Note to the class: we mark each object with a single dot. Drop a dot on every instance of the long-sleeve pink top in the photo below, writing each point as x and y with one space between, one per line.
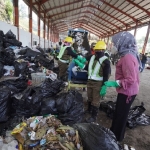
127 72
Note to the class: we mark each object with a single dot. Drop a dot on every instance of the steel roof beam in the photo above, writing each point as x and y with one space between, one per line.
134 19
138 6
96 16
87 20
91 6
92 27
82 21
51 9
41 2
78 25
89 30
108 14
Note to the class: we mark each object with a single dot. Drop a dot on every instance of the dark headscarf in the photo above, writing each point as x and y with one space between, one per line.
125 43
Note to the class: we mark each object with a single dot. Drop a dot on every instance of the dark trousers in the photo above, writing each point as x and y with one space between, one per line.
62 69
143 66
121 115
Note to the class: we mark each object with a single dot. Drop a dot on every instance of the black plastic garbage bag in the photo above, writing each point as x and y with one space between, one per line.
7 57
13 42
31 53
16 85
48 106
75 113
1 69
27 103
50 88
64 102
10 35
10 124
6 45
96 137
23 51
1 33
5 103
108 107
143 120
48 64
21 68
136 117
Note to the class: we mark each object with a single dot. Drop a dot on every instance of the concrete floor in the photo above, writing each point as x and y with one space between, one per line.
139 137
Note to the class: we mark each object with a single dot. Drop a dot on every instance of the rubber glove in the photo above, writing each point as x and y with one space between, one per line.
111 84
81 59
78 63
103 90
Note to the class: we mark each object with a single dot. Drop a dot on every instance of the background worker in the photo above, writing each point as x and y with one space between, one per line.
92 48
127 80
98 73
143 60
64 58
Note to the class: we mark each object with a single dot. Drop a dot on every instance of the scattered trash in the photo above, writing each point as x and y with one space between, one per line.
137 117
46 133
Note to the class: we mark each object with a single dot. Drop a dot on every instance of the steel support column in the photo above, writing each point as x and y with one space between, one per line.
30 20
44 29
107 40
146 39
48 32
135 30
39 29
16 16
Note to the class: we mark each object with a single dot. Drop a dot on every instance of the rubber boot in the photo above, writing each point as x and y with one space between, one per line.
93 117
89 110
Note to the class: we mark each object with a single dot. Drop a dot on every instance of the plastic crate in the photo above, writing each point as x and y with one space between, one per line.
38 78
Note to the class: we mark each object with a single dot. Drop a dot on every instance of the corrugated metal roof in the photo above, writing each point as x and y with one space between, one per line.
102 17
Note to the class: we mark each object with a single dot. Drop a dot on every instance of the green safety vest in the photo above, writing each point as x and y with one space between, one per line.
93 74
62 50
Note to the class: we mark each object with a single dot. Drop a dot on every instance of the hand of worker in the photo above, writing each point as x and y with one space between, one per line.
103 90
78 63
112 84
81 59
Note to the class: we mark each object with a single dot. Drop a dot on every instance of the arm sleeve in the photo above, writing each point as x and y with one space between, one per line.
71 53
129 73
106 70
88 59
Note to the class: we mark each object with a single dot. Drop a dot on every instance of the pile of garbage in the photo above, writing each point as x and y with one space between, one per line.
136 114
45 133
29 85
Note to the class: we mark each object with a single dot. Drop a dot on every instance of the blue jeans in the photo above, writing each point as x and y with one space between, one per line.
71 65
143 66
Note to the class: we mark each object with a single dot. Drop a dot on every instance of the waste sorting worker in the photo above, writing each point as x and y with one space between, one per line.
64 57
126 80
98 73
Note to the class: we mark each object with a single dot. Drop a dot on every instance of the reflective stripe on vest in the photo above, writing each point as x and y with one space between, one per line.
62 50
94 73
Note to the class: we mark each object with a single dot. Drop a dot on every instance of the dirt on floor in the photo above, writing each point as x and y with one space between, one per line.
138 137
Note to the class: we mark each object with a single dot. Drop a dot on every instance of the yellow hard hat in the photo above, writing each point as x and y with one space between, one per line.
100 45
68 39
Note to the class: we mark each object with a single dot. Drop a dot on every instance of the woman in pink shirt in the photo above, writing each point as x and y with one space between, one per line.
127 80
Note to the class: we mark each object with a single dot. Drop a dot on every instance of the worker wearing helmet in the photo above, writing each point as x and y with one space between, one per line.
98 73
64 57
92 48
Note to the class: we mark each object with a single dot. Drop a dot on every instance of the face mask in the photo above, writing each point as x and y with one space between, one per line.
67 44
99 54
